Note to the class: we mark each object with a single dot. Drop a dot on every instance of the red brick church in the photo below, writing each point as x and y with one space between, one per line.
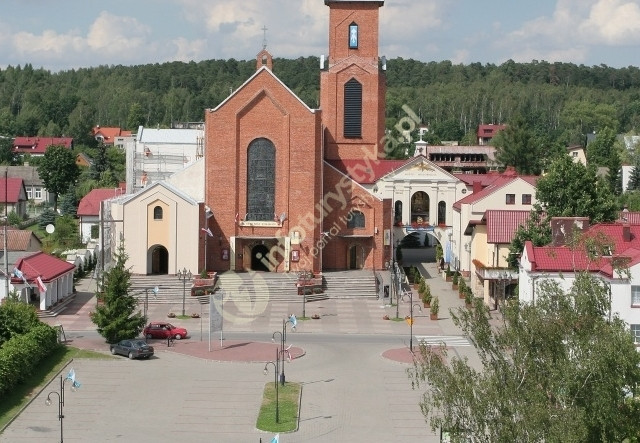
276 202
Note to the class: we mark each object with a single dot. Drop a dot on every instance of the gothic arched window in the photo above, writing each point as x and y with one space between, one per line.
261 180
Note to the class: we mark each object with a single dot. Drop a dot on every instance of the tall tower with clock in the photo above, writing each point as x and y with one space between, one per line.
353 85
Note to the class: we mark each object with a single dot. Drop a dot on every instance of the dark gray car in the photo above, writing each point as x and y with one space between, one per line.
132 348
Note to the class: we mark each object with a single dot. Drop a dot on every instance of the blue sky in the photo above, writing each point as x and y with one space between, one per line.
65 34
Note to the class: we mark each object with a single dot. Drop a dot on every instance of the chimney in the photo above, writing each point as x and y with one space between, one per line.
477 186
626 232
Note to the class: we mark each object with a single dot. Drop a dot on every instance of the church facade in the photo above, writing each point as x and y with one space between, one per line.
277 202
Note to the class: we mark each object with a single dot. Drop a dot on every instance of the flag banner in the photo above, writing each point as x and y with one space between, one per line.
41 286
72 376
208 231
19 274
293 320
276 439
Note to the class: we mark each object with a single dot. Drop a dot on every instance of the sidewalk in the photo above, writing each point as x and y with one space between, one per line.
338 316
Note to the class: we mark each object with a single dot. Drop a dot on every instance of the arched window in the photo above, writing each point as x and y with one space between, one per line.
353 108
157 213
442 213
261 180
355 219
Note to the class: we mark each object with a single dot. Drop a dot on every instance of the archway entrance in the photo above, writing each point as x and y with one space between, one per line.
159 260
356 257
259 258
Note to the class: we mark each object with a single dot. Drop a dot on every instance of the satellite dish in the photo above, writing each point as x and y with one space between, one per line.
50 228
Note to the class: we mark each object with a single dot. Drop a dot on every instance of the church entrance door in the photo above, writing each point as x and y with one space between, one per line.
159 260
259 258
355 257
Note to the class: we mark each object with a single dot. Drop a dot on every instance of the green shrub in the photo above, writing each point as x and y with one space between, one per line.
20 355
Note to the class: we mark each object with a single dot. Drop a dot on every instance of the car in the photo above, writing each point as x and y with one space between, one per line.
134 348
161 329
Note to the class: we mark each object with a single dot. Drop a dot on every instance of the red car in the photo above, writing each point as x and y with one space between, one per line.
161 329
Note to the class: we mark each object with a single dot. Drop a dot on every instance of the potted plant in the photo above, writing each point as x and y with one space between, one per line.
461 286
434 309
425 294
454 280
448 274
468 297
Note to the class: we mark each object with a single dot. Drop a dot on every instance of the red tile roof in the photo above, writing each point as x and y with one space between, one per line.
40 264
565 259
19 239
90 203
503 224
109 134
13 187
493 182
489 131
367 171
38 145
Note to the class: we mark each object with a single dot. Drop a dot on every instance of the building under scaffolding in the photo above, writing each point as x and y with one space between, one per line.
155 154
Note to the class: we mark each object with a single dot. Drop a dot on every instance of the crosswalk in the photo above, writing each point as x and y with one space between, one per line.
450 341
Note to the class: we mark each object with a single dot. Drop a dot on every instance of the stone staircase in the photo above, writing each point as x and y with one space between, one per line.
350 284
170 288
277 287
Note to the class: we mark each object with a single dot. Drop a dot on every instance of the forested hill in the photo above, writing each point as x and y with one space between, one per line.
560 100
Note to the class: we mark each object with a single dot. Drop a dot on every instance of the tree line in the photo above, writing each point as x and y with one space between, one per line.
562 101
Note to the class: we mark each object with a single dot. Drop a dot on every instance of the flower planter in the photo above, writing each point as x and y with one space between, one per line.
454 287
426 305
461 294
433 316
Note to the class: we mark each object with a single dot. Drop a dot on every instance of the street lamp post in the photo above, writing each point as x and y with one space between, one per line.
275 380
283 342
411 318
60 395
184 276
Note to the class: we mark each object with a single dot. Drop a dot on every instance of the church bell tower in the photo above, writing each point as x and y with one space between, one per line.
353 85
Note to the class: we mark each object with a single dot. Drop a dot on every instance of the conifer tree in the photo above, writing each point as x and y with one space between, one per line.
117 318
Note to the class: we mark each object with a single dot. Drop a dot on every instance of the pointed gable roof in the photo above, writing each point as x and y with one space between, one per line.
44 265
490 184
11 189
90 203
19 239
261 71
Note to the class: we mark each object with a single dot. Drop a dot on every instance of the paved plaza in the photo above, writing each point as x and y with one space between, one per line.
197 390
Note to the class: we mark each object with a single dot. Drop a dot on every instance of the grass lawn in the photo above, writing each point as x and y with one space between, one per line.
288 402
14 401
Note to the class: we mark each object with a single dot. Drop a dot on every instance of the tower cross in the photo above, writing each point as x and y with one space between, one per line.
264 38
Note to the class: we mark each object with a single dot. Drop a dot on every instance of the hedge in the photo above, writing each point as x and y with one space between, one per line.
20 355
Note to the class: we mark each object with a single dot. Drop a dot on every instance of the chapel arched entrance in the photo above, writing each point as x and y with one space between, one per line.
355 259
159 260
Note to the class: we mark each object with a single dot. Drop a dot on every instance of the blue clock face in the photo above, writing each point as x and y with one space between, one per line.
353 36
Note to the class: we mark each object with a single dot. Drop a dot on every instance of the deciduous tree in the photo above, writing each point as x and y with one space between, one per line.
58 171
558 370
570 189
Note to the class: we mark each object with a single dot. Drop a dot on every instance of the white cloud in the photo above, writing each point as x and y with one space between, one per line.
112 34
613 22
574 28
188 50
